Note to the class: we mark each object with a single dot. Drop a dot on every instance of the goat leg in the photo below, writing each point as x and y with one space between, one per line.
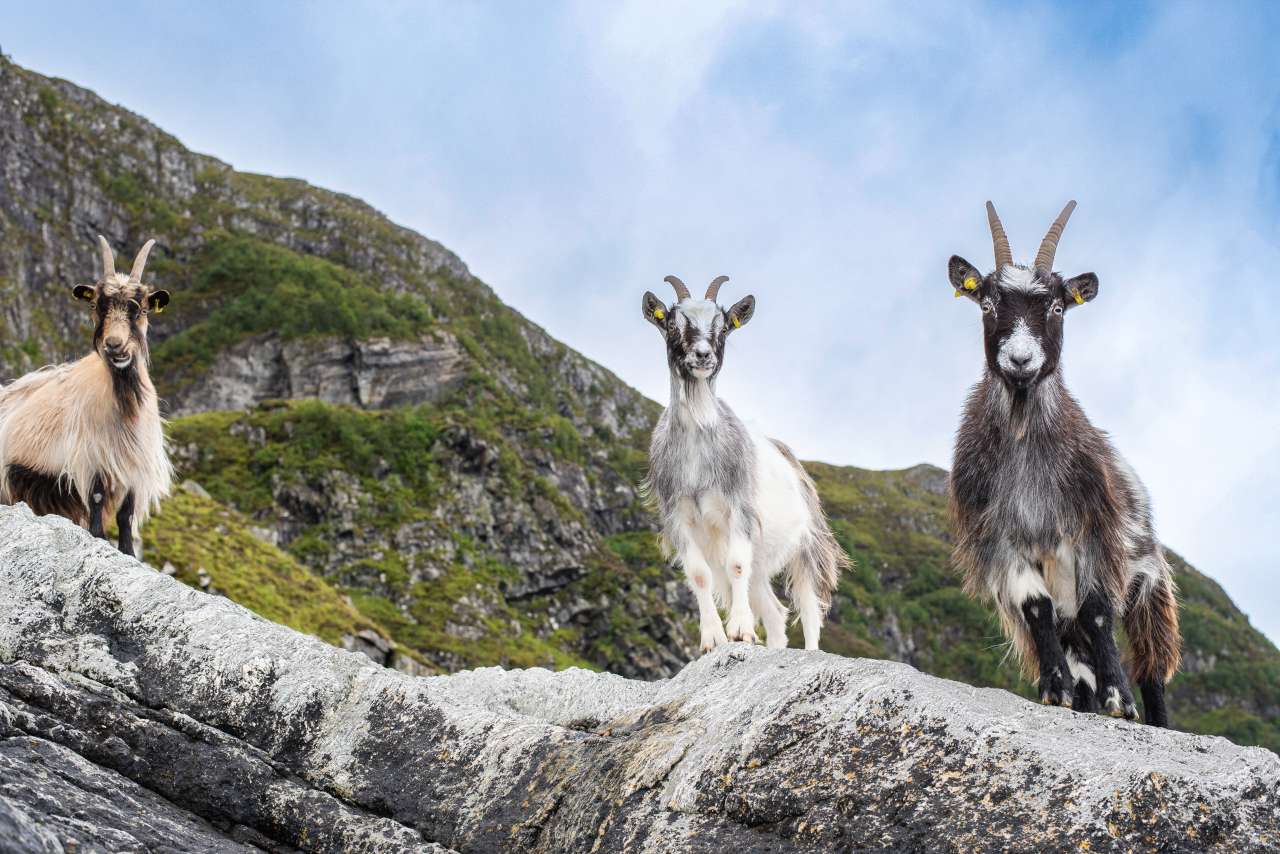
124 521
97 497
1055 675
741 625
1080 661
1095 620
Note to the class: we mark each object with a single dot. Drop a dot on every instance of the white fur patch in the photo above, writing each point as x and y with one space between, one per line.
704 314
1081 672
1021 345
1021 584
1017 278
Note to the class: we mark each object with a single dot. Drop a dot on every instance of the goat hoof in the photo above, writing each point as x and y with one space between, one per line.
1055 689
713 638
1118 703
742 629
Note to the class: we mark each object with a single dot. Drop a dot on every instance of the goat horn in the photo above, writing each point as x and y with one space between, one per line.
1004 255
681 291
141 261
714 288
1049 246
108 257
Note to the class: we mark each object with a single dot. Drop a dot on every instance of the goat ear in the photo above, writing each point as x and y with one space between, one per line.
157 300
741 312
965 278
1080 290
85 293
655 310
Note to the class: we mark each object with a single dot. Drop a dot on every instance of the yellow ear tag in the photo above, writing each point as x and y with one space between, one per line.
737 324
959 293
1079 299
659 313
970 283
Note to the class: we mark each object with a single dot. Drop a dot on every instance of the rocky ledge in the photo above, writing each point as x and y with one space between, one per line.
137 714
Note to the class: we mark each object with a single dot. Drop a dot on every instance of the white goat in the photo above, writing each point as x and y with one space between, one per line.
736 507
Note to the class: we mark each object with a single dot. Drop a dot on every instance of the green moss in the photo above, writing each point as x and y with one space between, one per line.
1238 725
195 533
245 286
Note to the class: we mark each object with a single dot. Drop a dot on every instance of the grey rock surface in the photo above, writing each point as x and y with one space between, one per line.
139 714
374 374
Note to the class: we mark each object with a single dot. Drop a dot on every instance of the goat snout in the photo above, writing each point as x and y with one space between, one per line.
116 350
702 350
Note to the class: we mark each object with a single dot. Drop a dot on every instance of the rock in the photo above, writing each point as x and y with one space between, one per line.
182 721
194 488
369 644
375 374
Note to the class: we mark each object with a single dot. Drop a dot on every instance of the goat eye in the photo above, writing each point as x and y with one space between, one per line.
986 308
1057 309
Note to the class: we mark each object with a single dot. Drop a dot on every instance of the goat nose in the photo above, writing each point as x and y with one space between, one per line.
702 348
114 343
1020 360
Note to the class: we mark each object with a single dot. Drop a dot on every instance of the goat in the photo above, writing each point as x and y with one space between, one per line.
85 438
736 508
1050 522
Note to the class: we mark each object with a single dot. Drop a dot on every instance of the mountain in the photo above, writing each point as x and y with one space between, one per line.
376 450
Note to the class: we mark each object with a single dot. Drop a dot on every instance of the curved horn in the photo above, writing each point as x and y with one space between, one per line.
681 291
1004 255
140 262
714 288
1049 246
108 257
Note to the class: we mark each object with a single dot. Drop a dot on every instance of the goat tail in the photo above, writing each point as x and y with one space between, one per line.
1151 623
816 568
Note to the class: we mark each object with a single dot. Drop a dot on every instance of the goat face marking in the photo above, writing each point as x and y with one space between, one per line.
120 306
1022 317
695 331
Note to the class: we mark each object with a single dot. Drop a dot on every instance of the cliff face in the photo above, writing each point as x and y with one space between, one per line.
138 714
381 453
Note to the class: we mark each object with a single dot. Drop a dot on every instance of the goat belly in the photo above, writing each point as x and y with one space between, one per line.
45 494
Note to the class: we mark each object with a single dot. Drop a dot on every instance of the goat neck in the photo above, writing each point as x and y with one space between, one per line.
693 402
1021 412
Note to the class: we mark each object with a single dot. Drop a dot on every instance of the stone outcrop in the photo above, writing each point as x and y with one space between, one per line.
375 374
138 714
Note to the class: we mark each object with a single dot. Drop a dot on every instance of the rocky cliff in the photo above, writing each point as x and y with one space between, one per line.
378 452
138 714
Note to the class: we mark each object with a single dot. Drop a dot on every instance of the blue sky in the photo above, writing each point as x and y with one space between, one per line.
829 158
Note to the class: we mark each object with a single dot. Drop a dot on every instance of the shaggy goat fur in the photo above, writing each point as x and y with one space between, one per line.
1050 522
85 439
737 508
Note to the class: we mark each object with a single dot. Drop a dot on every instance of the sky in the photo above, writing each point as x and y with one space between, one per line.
829 158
